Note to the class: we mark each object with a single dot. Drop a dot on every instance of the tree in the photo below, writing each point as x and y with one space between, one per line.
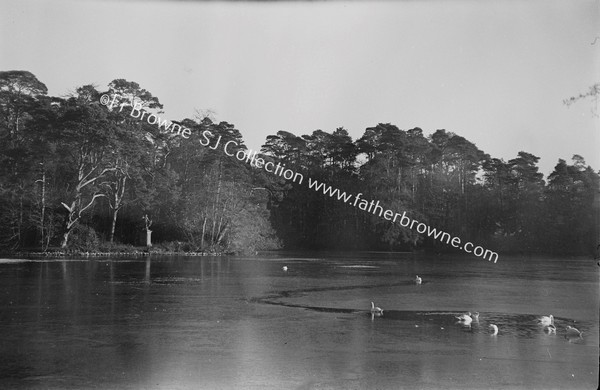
21 94
132 146
526 197
572 192
19 90
87 140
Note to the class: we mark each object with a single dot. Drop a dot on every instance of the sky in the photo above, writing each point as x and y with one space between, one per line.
495 72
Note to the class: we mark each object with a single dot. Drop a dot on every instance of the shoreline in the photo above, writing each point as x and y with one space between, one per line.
59 254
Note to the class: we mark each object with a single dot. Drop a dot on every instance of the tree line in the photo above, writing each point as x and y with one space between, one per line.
76 175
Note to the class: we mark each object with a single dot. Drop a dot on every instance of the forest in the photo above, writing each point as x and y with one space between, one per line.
76 176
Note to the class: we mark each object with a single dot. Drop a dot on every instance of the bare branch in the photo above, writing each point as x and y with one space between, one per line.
91 202
80 186
594 93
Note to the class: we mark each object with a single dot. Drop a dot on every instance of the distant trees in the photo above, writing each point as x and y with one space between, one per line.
443 180
572 207
22 97
515 202
76 174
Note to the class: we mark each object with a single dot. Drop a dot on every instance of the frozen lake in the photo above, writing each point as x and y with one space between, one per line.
244 323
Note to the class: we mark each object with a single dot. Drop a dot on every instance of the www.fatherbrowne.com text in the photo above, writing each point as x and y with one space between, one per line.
251 157
231 148
376 209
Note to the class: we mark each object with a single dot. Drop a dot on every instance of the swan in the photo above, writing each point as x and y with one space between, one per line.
465 319
573 332
285 268
495 328
475 316
418 280
546 320
375 309
551 328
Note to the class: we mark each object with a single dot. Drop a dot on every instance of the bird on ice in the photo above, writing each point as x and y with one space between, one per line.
284 268
546 320
573 332
465 319
375 309
418 280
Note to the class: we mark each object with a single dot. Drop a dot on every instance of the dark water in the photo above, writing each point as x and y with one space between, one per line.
220 323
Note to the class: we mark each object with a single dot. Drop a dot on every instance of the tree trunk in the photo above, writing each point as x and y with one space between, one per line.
119 193
219 232
113 225
20 229
216 202
203 233
40 222
43 216
65 240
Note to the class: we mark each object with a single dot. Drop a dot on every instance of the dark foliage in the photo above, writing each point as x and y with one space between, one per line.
76 174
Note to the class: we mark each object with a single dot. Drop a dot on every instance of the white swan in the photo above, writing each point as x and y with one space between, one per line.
375 309
546 320
573 332
465 319
495 328
418 280
285 268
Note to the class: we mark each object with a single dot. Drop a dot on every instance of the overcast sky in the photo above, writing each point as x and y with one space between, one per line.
495 72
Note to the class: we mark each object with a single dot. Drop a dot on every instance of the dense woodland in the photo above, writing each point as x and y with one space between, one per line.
78 176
